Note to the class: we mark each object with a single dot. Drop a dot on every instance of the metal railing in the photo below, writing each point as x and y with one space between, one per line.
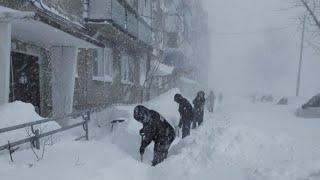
35 139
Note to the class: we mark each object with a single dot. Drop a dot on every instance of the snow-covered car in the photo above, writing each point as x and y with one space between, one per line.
283 101
311 109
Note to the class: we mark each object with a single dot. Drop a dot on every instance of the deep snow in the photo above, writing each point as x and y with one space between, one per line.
16 113
241 140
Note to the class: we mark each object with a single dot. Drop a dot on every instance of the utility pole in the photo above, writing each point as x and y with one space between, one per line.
301 55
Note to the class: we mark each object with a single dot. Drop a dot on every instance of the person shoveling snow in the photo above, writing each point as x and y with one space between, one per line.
156 129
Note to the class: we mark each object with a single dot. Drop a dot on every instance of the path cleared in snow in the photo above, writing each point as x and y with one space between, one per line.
241 140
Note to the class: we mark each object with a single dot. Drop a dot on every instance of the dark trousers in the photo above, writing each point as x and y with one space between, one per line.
211 106
198 118
161 150
194 123
186 128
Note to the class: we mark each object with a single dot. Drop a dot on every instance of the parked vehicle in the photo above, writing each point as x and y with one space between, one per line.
311 109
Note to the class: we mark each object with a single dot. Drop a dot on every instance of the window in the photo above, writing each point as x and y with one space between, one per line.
127 70
102 65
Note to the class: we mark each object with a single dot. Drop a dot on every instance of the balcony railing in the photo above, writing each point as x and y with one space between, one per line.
123 15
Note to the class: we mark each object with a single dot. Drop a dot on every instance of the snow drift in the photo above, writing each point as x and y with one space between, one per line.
242 140
16 113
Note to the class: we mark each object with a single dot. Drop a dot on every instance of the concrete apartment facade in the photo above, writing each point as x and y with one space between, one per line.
59 56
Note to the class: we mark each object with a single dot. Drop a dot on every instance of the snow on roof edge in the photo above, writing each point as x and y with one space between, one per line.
8 13
189 81
162 69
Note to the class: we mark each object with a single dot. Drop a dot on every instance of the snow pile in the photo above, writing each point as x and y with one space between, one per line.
161 69
166 106
7 13
41 5
188 81
16 113
241 140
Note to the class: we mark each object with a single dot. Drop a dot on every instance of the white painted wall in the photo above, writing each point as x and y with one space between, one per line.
64 60
5 45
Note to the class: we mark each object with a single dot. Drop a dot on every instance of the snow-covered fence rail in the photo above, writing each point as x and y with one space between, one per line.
35 139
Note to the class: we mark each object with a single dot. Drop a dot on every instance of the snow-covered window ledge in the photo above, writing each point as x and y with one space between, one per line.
103 78
127 82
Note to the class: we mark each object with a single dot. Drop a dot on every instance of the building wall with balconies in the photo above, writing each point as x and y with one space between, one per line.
120 35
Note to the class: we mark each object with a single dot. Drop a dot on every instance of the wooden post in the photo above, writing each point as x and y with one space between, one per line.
86 125
37 139
10 151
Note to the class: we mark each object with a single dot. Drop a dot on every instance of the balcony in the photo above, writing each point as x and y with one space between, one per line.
124 15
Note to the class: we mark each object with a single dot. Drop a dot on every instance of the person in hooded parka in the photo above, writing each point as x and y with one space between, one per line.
186 114
157 129
198 105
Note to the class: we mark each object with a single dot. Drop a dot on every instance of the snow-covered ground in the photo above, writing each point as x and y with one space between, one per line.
16 113
241 140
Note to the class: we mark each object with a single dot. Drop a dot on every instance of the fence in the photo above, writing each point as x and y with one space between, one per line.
35 139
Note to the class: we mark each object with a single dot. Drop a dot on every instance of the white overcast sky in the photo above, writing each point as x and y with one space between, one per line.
255 47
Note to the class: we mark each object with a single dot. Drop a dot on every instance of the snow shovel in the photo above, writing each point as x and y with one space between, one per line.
177 131
141 155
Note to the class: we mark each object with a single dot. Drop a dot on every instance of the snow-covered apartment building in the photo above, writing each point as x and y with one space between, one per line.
181 41
67 55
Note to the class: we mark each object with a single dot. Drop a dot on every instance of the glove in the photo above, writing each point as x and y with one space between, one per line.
142 133
142 150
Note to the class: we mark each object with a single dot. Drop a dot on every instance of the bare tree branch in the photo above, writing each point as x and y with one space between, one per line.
311 12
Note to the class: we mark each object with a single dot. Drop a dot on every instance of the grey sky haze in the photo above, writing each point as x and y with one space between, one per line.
255 47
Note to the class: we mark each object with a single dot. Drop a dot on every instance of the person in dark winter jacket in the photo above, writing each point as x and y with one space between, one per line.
198 104
156 129
186 114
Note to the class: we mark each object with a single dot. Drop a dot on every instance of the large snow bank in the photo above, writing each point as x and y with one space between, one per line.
241 140
16 113
166 106
188 81
106 156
